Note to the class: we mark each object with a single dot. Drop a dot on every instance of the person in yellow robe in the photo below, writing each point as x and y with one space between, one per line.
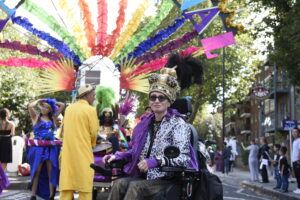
80 131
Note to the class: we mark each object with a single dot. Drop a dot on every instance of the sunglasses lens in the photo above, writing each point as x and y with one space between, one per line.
160 98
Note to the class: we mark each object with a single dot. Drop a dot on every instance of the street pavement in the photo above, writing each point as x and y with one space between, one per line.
244 188
236 186
233 190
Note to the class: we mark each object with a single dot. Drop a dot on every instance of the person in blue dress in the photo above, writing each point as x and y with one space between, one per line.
43 154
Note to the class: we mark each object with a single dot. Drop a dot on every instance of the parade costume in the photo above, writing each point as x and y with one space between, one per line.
40 152
4 182
107 140
151 137
80 131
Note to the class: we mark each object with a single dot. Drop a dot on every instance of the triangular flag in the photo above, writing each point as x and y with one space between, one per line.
207 15
217 42
3 23
189 3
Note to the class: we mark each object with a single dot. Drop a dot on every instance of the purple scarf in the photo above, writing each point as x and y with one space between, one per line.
139 137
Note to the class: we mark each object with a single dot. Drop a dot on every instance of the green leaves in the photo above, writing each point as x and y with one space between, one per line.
17 90
287 42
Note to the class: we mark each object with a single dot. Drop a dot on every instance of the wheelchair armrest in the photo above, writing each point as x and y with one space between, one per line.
116 164
172 169
190 170
114 168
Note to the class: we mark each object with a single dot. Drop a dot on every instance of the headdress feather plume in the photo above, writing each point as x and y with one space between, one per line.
60 76
189 70
130 81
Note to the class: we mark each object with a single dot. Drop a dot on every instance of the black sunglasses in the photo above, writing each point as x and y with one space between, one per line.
160 98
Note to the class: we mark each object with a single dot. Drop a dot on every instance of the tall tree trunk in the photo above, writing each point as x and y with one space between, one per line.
196 106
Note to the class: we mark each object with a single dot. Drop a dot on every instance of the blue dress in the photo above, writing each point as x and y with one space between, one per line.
38 154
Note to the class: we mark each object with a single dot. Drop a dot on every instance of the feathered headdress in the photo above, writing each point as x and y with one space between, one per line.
188 69
61 76
180 72
129 80
127 105
52 104
106 98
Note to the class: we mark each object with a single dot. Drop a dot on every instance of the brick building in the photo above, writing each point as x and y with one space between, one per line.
255 118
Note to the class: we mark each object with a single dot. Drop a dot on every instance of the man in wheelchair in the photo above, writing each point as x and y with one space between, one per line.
153 134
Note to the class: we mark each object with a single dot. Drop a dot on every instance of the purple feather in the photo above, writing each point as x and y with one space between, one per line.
127 105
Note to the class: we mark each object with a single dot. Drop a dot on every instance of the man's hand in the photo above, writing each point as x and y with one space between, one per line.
108 158
143 166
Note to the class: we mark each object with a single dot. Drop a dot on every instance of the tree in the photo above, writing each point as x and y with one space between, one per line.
288 44
17 85
284 27
209 124
17 90
240 63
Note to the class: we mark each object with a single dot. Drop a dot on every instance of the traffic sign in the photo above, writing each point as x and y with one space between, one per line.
289 124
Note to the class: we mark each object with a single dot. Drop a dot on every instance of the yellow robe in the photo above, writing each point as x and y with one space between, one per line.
80 131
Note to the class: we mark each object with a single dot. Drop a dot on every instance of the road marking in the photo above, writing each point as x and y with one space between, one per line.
233 198
240 190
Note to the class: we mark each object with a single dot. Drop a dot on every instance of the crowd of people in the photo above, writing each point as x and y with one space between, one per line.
260 160
60 152
224 158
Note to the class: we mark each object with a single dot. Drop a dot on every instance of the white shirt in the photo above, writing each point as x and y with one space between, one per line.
296 148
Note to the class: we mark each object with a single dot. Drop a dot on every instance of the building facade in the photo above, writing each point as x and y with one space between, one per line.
263 117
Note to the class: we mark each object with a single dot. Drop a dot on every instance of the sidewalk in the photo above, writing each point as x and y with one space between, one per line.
18 182
242 178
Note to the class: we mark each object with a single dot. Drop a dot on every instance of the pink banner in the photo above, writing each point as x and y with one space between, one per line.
217 42
27 62
160 63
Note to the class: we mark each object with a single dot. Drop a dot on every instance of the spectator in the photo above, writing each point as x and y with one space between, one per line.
7 130
226 153
232 143
275 162
147 112
252 159
284 170
80 133
264 157
218 160
296 158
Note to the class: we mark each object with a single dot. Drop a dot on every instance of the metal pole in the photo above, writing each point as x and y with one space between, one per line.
223 96
291 145
275 99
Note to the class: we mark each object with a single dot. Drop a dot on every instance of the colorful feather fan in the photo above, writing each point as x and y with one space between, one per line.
130 81
60 76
